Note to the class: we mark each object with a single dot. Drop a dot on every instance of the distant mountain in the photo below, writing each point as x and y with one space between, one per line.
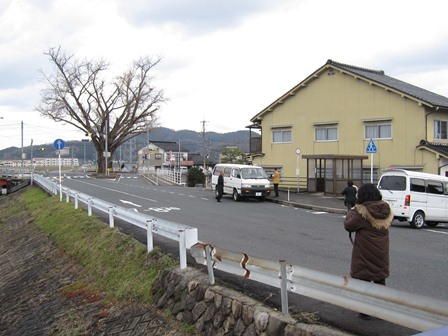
209 143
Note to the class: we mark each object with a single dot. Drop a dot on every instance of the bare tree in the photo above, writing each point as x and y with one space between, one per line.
111 113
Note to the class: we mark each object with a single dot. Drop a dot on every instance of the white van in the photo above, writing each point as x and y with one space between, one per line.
242 181
419 198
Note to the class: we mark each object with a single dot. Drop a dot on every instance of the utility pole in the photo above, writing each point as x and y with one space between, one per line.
203 122
106 153
32 166
147 147
204 152
22 147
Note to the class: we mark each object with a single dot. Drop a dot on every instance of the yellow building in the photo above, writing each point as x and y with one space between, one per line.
319 132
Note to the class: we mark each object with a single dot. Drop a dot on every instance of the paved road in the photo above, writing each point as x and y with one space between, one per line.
309 235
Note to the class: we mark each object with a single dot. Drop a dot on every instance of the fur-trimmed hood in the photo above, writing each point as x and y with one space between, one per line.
378 213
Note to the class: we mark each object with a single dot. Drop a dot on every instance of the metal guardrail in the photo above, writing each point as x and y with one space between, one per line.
19 186
291 183
186 235
407 309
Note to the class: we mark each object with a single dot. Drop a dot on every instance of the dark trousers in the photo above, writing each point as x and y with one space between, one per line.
219 189
276 189
349 206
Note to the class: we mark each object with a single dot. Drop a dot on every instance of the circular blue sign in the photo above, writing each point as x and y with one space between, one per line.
59 144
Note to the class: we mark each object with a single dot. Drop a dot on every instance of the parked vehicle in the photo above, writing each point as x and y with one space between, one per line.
419 198
242 181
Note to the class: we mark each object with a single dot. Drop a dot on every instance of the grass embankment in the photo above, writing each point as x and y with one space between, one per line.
113 264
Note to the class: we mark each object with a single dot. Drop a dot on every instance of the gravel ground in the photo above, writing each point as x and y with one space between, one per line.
34 299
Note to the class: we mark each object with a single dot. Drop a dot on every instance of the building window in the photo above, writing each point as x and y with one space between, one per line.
440 130
326 134
378 131
281 136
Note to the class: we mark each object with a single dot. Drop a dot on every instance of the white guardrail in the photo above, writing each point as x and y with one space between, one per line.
186 235
407 309
403 308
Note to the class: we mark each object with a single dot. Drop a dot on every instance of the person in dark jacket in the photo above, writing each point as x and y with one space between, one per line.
350 192
220 186
370 219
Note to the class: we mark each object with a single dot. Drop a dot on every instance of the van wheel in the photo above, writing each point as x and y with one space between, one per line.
216 192
236 197
418 220
432 224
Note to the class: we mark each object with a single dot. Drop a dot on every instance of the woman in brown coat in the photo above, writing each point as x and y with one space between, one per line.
370 218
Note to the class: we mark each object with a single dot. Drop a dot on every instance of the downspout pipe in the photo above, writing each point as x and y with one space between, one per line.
426 122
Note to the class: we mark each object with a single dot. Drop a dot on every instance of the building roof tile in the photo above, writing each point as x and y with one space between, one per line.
380 77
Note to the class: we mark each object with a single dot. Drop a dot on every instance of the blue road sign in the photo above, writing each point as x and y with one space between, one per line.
371 148
59 144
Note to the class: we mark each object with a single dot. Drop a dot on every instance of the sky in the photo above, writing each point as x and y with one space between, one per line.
222 61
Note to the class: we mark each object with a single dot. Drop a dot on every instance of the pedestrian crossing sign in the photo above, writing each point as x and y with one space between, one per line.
371 147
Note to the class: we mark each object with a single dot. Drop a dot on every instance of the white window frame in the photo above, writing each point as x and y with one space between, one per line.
377 135
437 130
282 132
327 139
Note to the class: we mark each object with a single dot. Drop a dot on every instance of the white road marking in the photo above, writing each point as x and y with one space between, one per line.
436 231
127 202
162 209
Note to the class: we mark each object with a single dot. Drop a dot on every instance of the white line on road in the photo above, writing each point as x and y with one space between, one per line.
435 231
127 202
119 191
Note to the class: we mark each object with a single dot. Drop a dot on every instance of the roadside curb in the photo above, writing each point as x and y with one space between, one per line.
307 206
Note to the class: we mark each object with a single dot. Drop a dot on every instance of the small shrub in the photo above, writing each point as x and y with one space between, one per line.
195 176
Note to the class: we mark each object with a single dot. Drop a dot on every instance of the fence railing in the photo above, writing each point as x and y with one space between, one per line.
184 234
407 309
172 176
291 183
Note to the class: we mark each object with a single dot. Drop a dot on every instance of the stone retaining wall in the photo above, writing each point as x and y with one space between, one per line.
216 310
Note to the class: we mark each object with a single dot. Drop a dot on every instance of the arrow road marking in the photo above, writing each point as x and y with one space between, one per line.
127 202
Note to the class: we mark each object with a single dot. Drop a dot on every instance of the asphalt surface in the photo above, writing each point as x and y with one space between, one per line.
313 201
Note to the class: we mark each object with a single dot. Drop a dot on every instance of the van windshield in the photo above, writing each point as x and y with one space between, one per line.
253 173
393 183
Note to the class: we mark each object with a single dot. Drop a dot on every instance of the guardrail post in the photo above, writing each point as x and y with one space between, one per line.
149 241
182 249
67 196
284 290
60 192
111 217
208 255
76 201
89 207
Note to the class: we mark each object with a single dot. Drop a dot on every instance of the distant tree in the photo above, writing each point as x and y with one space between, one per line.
195 176
233 155
109 112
